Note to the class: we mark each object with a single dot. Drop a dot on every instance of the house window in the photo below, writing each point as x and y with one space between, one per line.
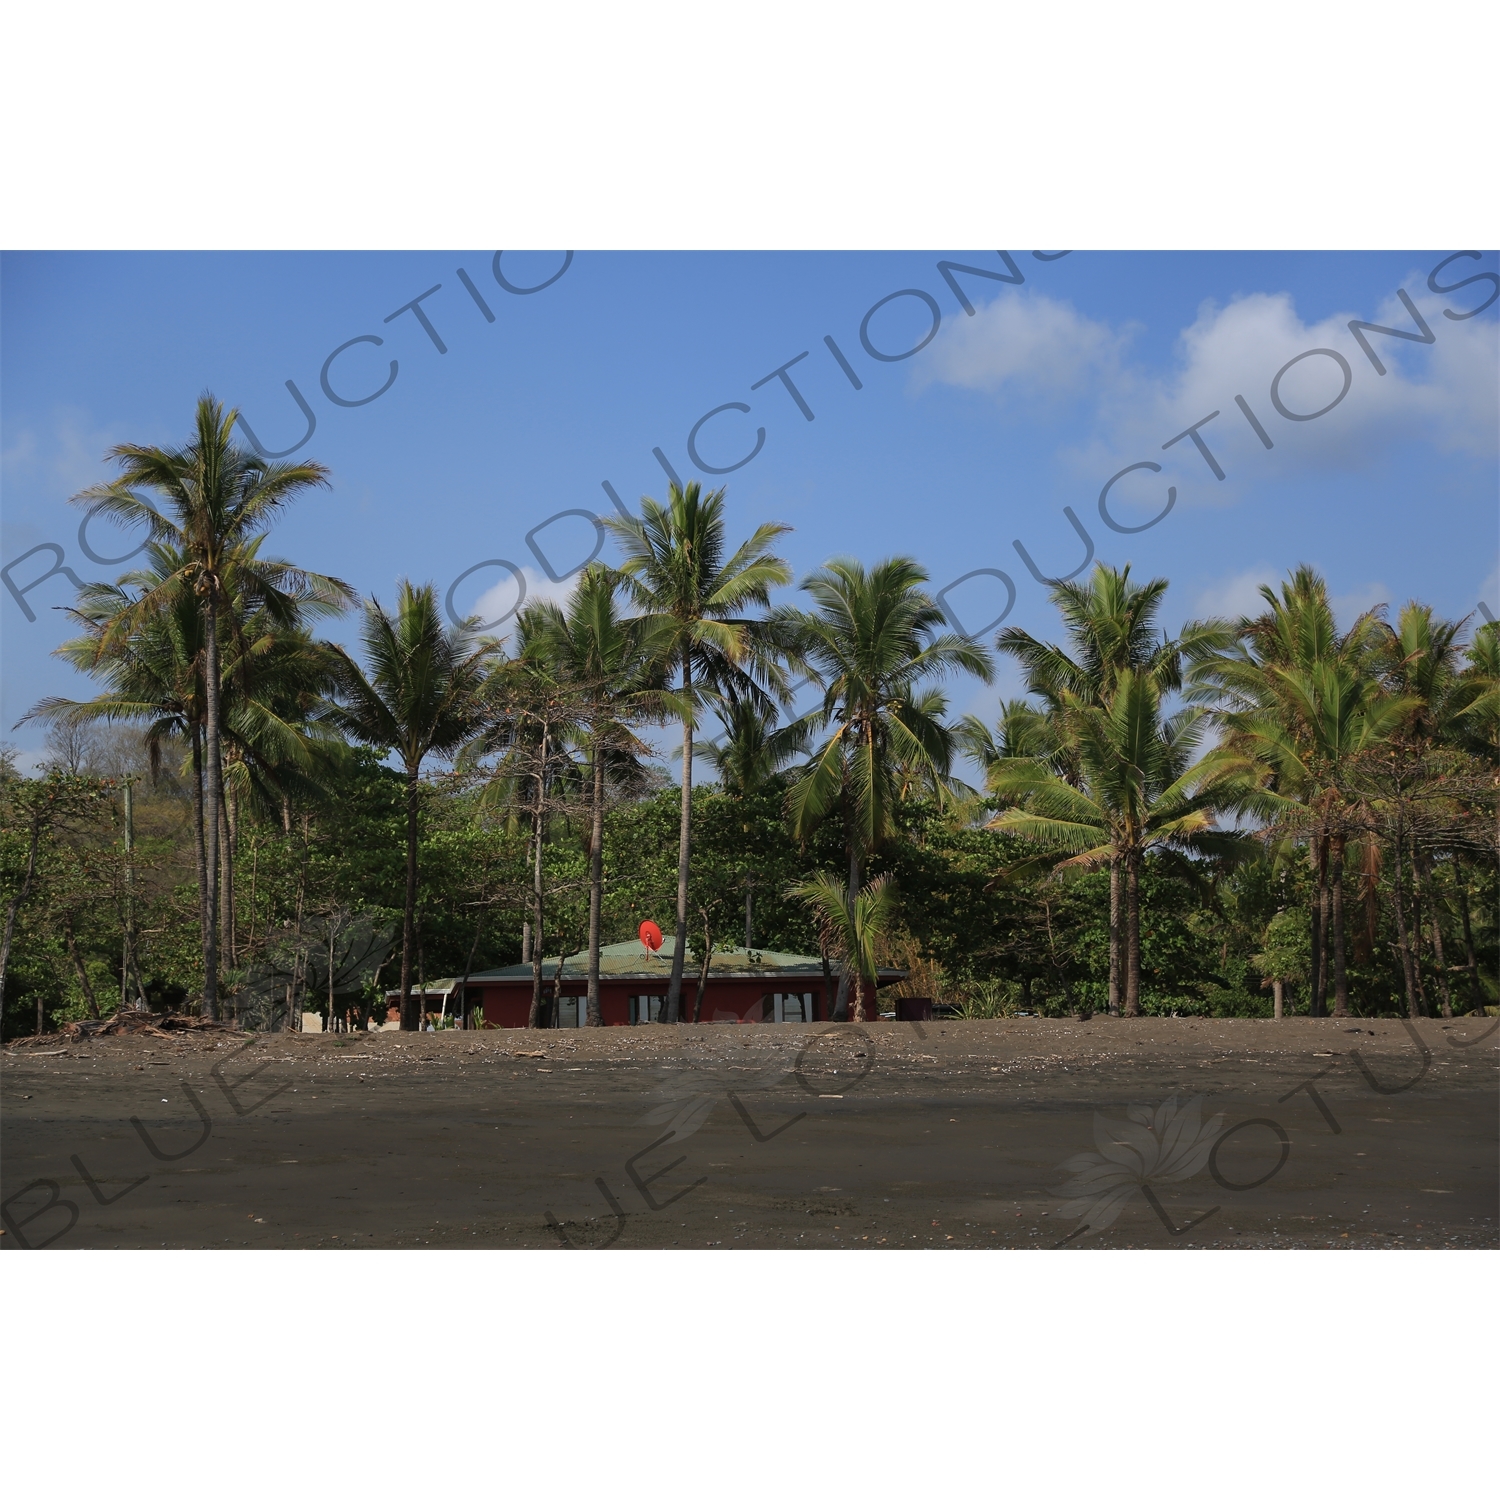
792 1007
572 1010
644 1008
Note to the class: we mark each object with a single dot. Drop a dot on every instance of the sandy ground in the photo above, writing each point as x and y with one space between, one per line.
1022 1134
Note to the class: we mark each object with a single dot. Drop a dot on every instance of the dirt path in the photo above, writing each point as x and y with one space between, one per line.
1006 1134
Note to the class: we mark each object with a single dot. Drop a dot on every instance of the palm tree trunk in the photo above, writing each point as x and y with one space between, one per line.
749 917
213 785
409 1019
673 1008
1132 934
232 849
1476 990
226 887
200 841
1278 992
858 1011
1319 1006
534 1016
1403 942
596 888
1114 935
1336 883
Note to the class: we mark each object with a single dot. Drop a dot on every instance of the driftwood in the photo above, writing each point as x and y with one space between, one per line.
124 1023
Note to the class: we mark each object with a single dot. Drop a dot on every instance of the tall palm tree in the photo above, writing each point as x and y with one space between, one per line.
697 601
1298 697
211 498
1138 788
748 759
610 664
873 642
273 679
1421 660
1112 627
423 695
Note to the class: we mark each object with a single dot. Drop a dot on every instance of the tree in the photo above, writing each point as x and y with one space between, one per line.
608 662
213 498
1139 788
273 681
1283 955
533 721
1297 697
1112 627
749 758
35 811
695 602
872 642
850 928
423 695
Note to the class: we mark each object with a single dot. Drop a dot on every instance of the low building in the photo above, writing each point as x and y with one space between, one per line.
744 985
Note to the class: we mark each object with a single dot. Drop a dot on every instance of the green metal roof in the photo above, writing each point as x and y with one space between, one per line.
630 961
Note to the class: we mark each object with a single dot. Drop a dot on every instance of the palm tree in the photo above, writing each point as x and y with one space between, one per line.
849 929
272 682
696 602
609 663
872 642
1112 627
1138 788
424 695
533 722
1298 698
748 759
212 498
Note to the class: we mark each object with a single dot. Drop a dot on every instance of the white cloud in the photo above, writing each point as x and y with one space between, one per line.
1025 346
501 597
1237 595
1445 393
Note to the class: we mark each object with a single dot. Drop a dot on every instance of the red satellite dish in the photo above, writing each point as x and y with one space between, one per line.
650 936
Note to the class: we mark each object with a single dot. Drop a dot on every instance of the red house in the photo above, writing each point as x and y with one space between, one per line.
744 985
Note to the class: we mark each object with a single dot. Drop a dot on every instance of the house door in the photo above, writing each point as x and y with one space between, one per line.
573 1010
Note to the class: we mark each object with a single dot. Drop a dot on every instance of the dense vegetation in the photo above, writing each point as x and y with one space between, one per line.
247 821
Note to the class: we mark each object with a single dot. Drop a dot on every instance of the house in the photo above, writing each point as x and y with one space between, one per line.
744 985
437 998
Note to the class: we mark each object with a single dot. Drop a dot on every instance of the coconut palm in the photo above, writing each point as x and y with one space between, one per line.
211 499
1139 788
1298 697
610 665
1112 626
850 930
697 602
272 683
423 695
872 643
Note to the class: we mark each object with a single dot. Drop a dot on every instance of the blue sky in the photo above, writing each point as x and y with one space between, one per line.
981 438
